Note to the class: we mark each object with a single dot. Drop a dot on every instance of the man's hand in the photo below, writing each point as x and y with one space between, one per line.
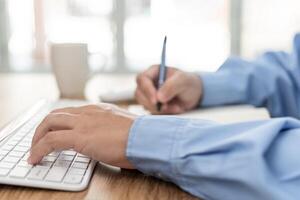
100 132
181 91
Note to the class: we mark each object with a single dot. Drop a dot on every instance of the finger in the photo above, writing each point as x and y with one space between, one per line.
152 72
54 121
52 141
146 85
171 88
146 82
76 110
144 101
72 110
141 99
172 108
90 109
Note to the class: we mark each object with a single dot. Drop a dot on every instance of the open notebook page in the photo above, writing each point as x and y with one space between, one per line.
224 114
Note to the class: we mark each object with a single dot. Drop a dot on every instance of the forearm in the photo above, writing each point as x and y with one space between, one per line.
271 81
250 160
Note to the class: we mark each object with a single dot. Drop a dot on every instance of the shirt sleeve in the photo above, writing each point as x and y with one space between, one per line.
271 81
253 160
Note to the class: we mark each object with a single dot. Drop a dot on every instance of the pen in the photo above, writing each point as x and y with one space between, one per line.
162 71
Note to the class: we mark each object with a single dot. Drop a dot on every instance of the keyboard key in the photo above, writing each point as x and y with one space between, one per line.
82 159
25 157
4 171
24 163
11 159
76 171
19 172
3 152
12 142
24 144
69 152
56 174
65 157
73 179
81 155
21 133
80 165
20 148
27 140
55 154
62 163
44 163
17 137
7 165
7 147
18 154
49 159
15 140
38 172
30 136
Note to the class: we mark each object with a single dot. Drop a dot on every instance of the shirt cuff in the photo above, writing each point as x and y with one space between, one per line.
150 145
224 86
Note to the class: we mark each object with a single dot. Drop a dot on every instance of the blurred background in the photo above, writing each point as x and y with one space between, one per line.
126 35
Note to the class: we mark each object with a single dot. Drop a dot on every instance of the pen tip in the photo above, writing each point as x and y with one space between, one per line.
165 40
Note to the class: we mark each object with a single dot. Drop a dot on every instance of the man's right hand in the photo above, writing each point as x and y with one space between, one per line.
182 91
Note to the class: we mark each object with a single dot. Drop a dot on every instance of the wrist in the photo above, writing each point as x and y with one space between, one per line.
197 89
125 162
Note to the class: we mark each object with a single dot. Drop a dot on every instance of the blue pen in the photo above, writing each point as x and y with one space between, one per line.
162 71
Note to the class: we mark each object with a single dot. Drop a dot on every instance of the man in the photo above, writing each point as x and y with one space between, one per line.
253 160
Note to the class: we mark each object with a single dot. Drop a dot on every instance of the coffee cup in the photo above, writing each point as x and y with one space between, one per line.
70 66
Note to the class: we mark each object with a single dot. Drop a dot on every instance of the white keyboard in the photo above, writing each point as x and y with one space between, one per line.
66 170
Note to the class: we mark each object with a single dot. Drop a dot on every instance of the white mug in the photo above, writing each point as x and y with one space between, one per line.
70 65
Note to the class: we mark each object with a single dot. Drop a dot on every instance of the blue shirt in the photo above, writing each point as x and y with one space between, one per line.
252 160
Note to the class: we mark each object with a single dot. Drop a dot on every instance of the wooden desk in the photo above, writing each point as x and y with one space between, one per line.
19 91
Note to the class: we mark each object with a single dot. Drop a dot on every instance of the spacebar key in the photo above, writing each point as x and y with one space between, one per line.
56 174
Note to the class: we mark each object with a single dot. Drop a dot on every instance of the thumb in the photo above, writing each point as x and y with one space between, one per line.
170 89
